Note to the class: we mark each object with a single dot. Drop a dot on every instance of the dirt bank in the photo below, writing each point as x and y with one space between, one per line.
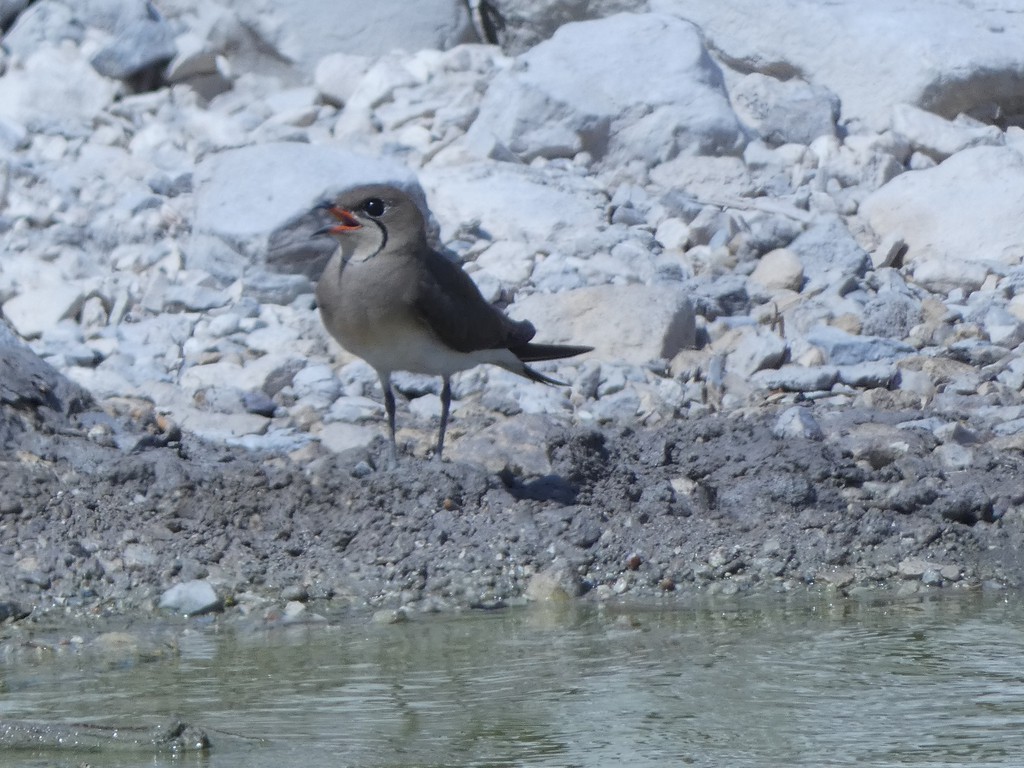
102 512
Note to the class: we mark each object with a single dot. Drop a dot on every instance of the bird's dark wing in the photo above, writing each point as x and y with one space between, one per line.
448 301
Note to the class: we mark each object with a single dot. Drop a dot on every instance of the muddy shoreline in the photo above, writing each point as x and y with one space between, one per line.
720 504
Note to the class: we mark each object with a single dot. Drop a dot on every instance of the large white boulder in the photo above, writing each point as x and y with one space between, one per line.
260 198
944 57
268 35
55 90
624 323
964 212
631 86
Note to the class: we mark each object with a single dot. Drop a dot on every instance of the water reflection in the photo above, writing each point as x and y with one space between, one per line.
927 683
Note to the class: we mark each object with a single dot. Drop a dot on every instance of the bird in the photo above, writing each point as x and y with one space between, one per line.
389 298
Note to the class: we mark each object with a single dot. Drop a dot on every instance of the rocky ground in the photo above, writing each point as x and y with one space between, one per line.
801 275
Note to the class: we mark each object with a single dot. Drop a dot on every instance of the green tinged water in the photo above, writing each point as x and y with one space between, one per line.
926 683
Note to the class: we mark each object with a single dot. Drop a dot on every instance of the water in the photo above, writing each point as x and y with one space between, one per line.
923 683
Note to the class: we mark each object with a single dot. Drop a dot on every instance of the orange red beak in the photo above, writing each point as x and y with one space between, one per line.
347 222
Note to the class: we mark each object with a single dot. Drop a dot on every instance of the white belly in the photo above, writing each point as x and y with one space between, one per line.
414 349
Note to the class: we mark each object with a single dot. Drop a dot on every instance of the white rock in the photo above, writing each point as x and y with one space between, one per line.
43 25
1003 328
937 137
269 372
778 270
673 234
955 457
318 382
192 59
514 203
220 374
509 263
290 178
757 348
916 382
339 436
304 31
338 75
353 409
34 311
943 275
965 211
375 87
191 598
705 178
55 89
949 58
629 323
591 88
218 427
797 422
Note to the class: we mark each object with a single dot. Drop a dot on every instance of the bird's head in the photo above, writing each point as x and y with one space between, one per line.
369 218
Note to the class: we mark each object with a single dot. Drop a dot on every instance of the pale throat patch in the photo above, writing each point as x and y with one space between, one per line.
364 244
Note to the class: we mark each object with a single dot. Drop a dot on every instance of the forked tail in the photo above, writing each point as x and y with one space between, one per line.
530 353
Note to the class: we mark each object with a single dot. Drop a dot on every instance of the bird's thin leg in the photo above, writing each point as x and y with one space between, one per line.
446 404
389 406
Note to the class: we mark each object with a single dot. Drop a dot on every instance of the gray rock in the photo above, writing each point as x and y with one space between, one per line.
797 378
259 403
842 348
138 47
9 10
891 315
274 288
191 598
725 296
867 375
114 16
295 593
28 383
829 255
785 111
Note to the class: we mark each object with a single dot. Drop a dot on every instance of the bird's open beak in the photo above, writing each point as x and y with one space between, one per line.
347 222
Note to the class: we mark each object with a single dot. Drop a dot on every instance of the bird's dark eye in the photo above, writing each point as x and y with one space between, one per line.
374 207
